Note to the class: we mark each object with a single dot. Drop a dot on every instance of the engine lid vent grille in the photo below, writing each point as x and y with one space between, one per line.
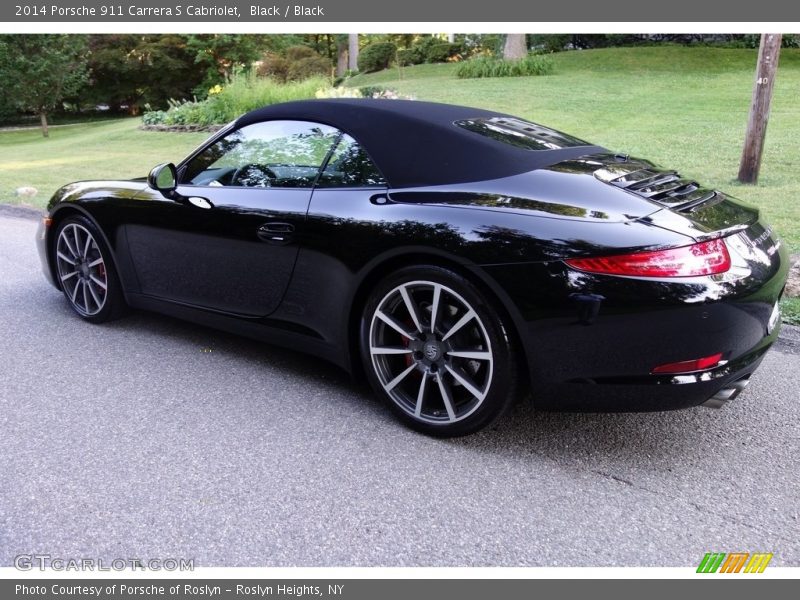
662 186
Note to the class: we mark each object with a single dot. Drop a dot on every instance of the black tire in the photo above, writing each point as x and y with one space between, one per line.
83 265
423 373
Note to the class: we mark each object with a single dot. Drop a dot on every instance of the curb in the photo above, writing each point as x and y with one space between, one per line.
21 211
788 339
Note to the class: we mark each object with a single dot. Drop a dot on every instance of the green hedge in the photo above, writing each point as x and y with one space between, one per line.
410 56
438 53
484 66
428 50
376 57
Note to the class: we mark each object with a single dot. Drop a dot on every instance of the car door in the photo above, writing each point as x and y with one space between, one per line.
227 240
347 223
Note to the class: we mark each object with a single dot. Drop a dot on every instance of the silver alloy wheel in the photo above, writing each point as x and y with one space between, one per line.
431 352
81 269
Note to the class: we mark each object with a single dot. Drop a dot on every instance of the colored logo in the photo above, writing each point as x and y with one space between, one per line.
734 562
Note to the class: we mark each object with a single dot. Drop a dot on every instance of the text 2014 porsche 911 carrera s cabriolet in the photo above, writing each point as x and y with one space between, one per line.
456 257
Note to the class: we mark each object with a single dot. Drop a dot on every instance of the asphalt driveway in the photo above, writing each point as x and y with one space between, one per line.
149 437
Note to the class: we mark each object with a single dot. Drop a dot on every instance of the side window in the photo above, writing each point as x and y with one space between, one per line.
349 166
268 154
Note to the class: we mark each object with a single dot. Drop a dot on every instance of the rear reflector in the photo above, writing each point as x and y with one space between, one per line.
688 366
703 258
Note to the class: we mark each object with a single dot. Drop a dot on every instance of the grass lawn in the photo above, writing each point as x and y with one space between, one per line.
101 150
685 108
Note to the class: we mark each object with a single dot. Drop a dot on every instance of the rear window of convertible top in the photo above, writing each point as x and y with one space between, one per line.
521 134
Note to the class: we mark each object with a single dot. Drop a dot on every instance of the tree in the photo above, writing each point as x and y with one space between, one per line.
352 51
515 46
219 55
129 71
341 55
767 67
41 71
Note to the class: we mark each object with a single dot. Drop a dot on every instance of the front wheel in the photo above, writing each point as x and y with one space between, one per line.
437 352
86 272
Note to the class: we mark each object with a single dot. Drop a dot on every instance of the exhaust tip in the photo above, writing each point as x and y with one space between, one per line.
726 394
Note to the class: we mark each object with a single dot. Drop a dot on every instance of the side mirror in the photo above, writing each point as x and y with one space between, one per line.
163 178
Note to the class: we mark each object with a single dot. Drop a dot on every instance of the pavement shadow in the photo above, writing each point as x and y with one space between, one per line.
523 431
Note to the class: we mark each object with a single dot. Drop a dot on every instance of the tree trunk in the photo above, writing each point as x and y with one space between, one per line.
516 46
43 118
352 51
329 45
767 67
341 56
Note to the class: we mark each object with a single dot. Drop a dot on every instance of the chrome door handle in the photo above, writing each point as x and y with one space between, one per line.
276 233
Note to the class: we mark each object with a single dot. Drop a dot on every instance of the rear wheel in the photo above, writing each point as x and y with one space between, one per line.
437 352
85 271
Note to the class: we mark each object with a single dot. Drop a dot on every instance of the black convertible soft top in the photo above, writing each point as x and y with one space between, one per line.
418 144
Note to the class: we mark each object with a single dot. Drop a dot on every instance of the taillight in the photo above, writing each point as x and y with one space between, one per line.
687 366
703 258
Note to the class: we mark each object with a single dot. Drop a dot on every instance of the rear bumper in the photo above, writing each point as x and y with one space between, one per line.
592 341
712 388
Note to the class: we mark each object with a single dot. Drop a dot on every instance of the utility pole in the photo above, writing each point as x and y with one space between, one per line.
768 52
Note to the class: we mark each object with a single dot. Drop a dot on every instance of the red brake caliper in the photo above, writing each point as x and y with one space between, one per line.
406 342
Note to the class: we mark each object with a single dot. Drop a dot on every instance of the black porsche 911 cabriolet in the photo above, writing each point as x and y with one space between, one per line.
454 256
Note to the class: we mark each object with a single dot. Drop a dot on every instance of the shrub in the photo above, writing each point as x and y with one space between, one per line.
488 44
429 50
183 112
550 42
340 92
304 63
369 91
422 45
376 91
791 40
410 56
299 52
312 66
242 94
154 117
434 50
376 57
438 53
274 66
484 66
300 62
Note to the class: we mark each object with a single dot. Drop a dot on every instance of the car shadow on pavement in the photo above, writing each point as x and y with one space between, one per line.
523 431
206 339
